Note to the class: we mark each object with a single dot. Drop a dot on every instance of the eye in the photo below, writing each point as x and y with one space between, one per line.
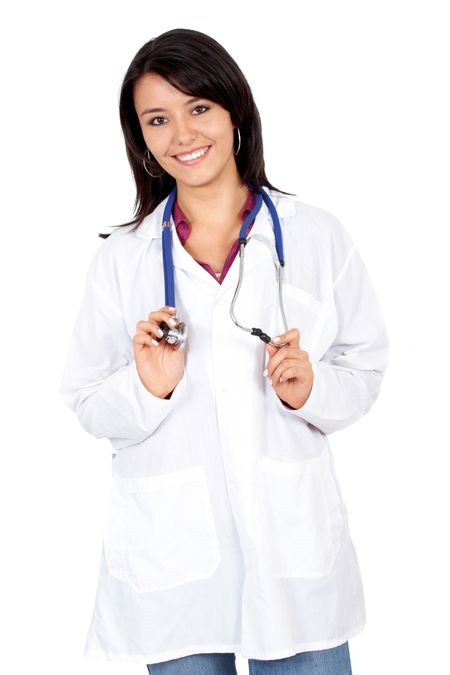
202 106
152 121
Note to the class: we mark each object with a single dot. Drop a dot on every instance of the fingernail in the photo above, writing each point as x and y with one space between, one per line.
265 372
276 339
155 343
171 309
160 333
172 322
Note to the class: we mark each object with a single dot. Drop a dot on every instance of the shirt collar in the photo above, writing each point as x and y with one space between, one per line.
151 226
184 227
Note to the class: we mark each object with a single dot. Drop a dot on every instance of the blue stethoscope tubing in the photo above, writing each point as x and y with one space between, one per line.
169 284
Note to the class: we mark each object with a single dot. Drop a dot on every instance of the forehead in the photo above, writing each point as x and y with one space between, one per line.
152 88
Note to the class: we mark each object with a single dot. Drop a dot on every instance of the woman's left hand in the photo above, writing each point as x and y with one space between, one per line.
290 369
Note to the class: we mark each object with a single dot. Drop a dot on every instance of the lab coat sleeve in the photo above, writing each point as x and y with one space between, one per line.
347 378
100 381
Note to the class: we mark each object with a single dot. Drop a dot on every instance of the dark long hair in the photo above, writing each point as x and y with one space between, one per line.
197 65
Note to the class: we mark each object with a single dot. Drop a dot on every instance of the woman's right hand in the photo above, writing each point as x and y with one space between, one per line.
160 366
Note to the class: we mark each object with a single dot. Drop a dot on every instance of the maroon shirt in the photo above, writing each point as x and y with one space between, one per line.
184 230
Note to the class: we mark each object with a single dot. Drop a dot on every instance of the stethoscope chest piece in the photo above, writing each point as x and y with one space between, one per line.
176 336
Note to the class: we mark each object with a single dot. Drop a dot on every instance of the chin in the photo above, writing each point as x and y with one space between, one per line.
197 181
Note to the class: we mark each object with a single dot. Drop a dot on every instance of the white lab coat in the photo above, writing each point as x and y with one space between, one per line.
226 528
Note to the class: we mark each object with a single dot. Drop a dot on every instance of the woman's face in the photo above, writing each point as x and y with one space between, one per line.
181 126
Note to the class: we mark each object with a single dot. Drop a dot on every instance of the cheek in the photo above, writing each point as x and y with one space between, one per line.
158 143
222 137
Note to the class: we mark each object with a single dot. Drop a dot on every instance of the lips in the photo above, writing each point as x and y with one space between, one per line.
189 152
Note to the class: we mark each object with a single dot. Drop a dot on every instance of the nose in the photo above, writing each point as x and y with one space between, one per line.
183 133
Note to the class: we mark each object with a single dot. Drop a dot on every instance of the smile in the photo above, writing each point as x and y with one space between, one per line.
194 156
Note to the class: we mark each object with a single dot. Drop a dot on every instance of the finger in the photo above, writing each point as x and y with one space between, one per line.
163 314
156 318
284 371
299 368
141 339
149 327
291 337
278 355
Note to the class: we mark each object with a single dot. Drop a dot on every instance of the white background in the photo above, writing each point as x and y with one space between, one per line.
353 98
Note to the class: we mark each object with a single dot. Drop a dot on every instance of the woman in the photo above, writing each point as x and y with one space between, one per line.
226 530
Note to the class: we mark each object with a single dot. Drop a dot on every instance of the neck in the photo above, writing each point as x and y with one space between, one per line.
214 208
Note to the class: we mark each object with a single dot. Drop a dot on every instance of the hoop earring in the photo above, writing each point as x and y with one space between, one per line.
148 155
239 145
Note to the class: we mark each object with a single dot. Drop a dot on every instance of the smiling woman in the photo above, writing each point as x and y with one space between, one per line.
187 133
226 529
182 94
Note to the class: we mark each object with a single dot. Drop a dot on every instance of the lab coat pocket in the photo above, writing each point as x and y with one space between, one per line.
301 516
305 312
303 298
160 530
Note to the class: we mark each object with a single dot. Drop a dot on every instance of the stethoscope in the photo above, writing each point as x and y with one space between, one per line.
177 336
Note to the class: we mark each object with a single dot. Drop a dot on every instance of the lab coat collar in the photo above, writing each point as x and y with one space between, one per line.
255 251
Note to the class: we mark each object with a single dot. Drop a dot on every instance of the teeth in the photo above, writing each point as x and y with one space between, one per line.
193 155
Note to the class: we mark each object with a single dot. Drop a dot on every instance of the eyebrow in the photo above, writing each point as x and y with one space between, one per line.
152 110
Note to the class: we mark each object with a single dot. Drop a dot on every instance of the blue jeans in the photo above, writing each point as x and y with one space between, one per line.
334 661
